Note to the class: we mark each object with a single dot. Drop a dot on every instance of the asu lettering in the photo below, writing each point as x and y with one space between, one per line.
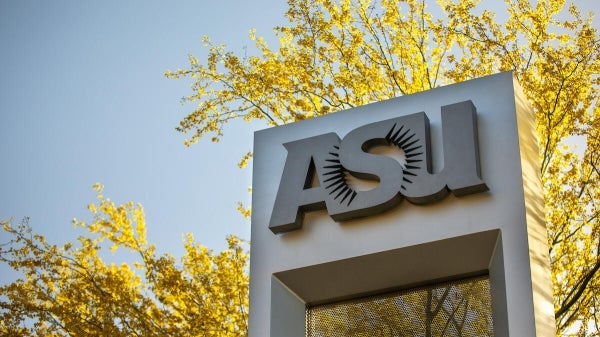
331 159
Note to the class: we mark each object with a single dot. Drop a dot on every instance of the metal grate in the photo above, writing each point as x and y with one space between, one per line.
459 308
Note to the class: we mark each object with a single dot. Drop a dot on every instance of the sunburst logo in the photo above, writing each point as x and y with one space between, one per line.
401 138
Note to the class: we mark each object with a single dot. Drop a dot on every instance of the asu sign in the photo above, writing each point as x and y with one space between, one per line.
360 164
333 161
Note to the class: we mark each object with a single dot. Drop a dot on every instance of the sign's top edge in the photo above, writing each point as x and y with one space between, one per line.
501 76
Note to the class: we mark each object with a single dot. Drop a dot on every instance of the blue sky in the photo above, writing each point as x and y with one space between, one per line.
83 99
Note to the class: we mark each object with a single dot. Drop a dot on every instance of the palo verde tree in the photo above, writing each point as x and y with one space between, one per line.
331 56
338 54
69 290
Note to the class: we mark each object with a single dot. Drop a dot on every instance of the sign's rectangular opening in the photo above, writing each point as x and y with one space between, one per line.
456 308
